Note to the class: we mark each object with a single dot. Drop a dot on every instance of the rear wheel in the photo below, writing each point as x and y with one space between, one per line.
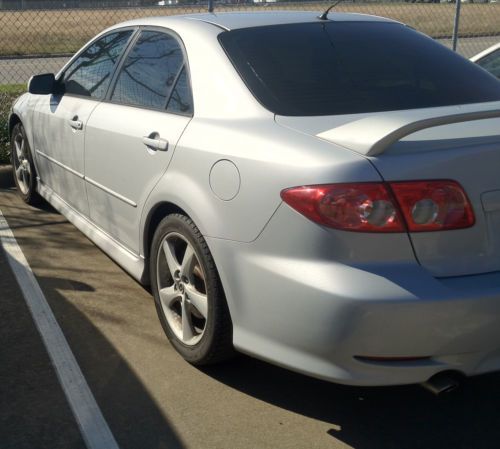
22 166
188 294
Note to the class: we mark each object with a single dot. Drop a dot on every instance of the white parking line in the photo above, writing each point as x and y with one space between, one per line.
94 429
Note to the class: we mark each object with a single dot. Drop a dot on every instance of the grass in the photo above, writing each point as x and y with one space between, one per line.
8 93
64 31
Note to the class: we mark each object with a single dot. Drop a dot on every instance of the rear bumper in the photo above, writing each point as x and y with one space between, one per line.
305 304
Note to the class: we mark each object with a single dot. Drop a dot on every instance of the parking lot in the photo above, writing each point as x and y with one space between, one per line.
151 398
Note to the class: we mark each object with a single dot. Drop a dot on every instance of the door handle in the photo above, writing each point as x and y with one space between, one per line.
154 142
75 123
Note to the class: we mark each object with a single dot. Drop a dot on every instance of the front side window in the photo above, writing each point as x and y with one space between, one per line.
90 74
491 63
154 75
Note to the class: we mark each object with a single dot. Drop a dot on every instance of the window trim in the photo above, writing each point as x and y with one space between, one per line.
61 74
114 79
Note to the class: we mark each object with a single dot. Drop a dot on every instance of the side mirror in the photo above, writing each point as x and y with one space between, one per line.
43 84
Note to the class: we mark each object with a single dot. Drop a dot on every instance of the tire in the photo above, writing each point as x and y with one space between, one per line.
188 293
23 168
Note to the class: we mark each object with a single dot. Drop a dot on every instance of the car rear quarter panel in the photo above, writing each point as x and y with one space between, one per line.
269 159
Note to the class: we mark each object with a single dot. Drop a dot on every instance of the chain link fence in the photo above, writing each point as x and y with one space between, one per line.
35 40
38 36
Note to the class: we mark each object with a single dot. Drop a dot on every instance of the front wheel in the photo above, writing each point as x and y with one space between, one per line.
188 293
22 166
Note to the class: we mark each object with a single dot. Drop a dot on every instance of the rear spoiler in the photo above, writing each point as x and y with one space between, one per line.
372 135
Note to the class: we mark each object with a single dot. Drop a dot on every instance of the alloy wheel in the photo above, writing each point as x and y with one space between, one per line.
21 162
182 289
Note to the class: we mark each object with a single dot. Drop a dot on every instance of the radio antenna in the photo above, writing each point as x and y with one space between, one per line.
324 16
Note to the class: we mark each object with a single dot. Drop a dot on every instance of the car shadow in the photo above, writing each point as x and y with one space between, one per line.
133 415
34 415
383 417
6 177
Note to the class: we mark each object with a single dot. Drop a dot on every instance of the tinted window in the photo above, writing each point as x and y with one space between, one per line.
180 101
491 63
90 74
352 67
150 71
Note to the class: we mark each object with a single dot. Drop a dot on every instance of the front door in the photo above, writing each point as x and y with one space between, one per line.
59 147
61 120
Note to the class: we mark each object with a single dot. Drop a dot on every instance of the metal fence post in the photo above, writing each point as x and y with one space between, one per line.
456 24
210 5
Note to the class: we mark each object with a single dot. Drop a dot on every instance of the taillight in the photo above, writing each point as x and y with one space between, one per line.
384 207
363 207
433 205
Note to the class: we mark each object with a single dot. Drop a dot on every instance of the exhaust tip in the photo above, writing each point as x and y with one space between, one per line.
443 383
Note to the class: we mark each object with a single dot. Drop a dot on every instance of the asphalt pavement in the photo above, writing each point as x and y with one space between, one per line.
152 399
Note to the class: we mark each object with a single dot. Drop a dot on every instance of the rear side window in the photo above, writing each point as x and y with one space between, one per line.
154 75
352 67
89 75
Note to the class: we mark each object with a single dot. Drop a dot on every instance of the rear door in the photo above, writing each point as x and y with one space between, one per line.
130 138
61 119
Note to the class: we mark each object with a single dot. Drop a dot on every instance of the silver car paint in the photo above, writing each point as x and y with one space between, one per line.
466 152
374 134
59 147
300 295
486 52
269 161
237 20
315 304
117 159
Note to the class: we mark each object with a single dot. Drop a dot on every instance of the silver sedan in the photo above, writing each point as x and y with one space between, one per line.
489 59
319 192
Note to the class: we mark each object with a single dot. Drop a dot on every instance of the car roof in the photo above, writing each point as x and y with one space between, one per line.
236 20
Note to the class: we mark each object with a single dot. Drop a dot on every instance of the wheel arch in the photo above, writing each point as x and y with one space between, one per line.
153 219
14 119
155 215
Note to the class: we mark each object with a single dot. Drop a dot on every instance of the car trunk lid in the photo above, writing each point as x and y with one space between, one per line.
467 152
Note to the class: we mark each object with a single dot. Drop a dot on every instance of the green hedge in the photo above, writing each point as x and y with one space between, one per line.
8 94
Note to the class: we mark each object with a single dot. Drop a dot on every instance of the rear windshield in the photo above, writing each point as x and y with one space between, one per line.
335 68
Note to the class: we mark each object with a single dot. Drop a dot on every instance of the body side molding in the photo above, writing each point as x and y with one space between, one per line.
130 262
